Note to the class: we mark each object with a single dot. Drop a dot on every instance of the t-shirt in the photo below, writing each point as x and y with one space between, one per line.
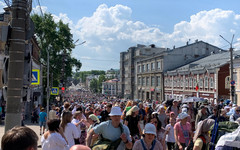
170 136
138 146
162 118
198 143
71 133
142 112
186 127
109 132
54 142
133 124
42 116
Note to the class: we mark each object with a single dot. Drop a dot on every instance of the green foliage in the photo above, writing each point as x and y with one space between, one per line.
94 85
58 40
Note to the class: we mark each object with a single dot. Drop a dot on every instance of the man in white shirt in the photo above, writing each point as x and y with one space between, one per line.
52 113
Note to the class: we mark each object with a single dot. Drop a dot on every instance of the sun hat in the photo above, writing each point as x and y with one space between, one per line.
185 106
94 118
182 115
150 129
184 110
115 111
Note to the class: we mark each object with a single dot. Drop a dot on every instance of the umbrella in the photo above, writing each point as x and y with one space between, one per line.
192 99
230 139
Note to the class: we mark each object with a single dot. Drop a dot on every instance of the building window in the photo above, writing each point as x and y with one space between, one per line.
158 81
201 83
182 82
147 67
159 65
227 82
143 81
139 80
152 66
143 68
211 82
147 81
190 82
139 69
194 82
206 82
152 81
186 82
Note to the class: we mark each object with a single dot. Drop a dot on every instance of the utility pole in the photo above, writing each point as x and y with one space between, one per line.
48 84
16 64
232 88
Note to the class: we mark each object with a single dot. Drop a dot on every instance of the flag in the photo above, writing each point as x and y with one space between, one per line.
197 88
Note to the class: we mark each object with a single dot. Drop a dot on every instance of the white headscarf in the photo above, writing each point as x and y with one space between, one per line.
202 129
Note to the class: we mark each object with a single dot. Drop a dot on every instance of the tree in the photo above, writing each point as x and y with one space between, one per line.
58 40
101 79
94 85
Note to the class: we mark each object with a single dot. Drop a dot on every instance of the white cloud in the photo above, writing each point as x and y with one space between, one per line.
110 30
38 9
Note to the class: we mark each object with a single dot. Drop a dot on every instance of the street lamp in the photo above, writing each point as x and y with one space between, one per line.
232 89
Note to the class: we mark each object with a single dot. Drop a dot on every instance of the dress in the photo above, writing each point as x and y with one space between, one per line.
71 133
54 142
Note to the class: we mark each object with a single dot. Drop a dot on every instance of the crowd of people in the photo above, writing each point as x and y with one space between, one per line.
97 122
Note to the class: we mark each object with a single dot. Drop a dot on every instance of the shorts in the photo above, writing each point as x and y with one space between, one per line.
42 123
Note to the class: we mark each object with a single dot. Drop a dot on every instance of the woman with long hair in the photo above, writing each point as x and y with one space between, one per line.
133 122
54 138
70 130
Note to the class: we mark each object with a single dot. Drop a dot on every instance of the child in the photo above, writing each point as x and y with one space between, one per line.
170 139
42 120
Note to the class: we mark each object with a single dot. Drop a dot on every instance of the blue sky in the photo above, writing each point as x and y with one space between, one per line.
112 26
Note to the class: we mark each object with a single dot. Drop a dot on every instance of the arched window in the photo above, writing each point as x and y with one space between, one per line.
206 82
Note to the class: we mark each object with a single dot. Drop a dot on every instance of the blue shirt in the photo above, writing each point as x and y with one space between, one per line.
42 116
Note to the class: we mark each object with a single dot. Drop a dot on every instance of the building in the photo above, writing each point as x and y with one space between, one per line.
111 88
113 73
128 65
208 78
150 70
236 77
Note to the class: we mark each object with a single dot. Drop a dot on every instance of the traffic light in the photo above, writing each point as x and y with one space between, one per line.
233 90
63 89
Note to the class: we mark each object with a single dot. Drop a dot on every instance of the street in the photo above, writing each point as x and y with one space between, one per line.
34 127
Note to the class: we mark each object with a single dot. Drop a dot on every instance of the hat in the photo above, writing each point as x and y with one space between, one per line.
94 118
182 115
205 102
150 129
172 113
185 106
115 111
227 107
175 100
184 110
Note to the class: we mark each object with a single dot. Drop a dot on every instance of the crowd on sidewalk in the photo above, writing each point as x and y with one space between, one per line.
98 122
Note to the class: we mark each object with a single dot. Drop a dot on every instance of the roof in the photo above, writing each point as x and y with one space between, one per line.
112 81
210 62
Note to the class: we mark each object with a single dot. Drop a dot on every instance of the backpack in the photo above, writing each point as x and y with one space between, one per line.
191 144
106 144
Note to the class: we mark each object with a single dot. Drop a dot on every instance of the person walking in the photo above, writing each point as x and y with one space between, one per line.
113 130
149 141
42 121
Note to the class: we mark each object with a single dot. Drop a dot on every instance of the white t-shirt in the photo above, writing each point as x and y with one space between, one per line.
170 136
74 121
71 133
54 142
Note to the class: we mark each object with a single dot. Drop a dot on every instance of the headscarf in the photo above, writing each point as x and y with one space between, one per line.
202 129
133 109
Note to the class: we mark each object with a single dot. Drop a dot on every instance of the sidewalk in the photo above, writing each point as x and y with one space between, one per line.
34 127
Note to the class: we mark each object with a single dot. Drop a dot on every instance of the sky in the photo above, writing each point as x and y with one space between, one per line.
112 26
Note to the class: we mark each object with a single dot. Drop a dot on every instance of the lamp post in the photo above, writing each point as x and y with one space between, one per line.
232 89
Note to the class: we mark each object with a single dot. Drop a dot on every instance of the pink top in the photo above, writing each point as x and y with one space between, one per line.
186 127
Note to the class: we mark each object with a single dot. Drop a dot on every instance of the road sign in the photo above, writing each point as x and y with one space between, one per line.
55 91
35 77
232 82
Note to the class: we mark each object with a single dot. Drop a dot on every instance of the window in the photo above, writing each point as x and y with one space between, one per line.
158 81
190 82
143 68
211 82
227 82
182 82
159 65
201 83
206 82
152 81
143 81
147 81
147 67
194 82
186 82
152 66
139 69
139 80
